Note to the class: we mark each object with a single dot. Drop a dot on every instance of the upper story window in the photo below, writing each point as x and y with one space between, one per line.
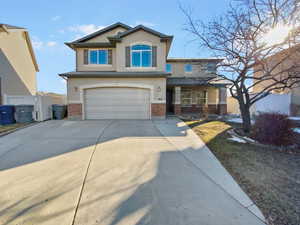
141 56
211 67
168 67
98 56
188 68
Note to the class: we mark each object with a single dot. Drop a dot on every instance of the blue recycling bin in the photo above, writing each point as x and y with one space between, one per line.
7 114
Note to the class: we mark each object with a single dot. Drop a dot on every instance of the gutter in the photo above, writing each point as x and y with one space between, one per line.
28 41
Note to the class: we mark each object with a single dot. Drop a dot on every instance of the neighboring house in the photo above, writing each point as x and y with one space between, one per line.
125 73
292 96
18 65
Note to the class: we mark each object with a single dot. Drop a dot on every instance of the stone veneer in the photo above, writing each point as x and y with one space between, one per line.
177 109
158 110
75 111
220 109
294 110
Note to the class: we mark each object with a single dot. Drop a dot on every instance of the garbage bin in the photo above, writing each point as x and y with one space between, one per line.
7 114
59 111
24 113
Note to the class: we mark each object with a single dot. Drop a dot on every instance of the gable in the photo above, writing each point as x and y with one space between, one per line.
141 36
103 37
102 31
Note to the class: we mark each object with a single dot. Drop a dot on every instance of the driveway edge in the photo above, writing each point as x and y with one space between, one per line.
19 128
197 151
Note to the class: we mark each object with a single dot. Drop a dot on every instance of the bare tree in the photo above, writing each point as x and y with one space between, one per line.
239 36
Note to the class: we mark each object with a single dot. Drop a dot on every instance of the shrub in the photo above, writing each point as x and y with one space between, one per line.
273 129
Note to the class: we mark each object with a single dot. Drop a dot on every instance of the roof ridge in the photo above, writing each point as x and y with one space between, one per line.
11 26
103 30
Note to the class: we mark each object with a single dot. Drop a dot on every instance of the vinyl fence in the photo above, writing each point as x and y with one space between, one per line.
42 104
272 103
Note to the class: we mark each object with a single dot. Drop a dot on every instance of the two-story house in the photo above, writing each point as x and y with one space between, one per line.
18 64
125 73
279 64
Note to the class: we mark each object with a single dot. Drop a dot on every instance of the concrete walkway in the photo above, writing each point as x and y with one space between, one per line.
116 172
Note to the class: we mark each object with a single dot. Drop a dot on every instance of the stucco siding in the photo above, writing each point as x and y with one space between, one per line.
103 37
138 38
17 71
74 85
198 70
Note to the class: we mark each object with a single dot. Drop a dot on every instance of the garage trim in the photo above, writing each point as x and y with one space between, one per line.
116 84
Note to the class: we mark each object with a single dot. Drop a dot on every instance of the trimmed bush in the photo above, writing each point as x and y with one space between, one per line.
273 129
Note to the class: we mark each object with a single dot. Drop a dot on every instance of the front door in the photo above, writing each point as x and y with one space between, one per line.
170 108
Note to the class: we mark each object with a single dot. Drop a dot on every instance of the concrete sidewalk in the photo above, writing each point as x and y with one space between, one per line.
194 149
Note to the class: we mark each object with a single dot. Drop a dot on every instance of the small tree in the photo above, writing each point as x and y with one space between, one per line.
243 37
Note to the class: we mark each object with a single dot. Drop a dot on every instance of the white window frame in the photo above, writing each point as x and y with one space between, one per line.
185 68
131 51
97 64
190 98
201 98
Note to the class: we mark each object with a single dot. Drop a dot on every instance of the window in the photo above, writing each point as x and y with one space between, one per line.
141 56
201 97
186 97
98 56
211 67
188 68
169 67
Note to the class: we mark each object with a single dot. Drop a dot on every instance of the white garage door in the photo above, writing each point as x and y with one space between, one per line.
117 103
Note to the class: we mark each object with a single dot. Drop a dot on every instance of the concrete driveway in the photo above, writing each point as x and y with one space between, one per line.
116 173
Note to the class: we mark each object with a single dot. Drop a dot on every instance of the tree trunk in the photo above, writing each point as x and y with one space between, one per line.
245 113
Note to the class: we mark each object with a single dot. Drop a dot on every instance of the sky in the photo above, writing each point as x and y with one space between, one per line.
51 23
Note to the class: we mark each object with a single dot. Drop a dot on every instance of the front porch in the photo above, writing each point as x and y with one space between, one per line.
196 99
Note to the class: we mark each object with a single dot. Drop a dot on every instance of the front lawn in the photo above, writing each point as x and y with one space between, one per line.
271 178
10 127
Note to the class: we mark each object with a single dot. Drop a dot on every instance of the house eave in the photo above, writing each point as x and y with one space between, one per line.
113 74
90 45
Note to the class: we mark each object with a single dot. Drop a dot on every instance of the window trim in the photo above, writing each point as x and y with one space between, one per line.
185 68
191 98
97 64
200 98
131 51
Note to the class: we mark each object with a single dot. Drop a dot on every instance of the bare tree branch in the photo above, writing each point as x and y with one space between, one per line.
250 61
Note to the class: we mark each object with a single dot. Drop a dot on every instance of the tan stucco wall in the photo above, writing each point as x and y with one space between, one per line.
213 95
141 37
118 53
73 86
198 70
295 96
17 70
94 67
103 37
280 63
232 106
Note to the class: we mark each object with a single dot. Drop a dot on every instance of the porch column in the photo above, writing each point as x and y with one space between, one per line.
222 100
177 100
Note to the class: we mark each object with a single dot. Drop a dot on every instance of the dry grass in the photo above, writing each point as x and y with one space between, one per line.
6 128
271 178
